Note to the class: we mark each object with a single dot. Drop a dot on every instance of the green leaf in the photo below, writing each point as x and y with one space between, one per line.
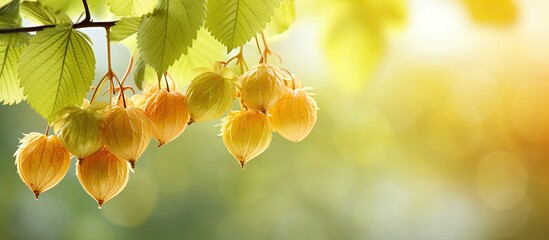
62 5
56 70
10 51
204 52
4 2
283 17
125 28
11 46
74 8
36 12
169 31
235 22
9 15
132 8
139 73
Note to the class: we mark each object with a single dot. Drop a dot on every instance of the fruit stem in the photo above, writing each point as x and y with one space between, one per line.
267 51
110 73
128 70
108 49
47 130
239 60
159 77
243 105
121 90
98 88
258 46
291 76
166 80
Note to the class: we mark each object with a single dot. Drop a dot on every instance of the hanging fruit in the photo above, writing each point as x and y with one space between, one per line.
103 175
42 162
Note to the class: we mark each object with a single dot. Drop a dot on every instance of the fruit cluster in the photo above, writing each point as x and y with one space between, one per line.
108 139
271 100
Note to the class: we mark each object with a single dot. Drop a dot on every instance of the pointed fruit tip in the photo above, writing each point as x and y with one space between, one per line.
132 163
242 165
36 194
100 204
160 144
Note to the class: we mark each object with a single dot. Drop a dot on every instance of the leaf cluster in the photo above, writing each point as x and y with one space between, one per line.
55 67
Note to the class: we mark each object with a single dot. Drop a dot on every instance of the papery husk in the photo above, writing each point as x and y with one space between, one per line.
169 114
246 134
138 100
41 161
127 132
151 87
79 128
211 94
294 115
292 82
103 175
261 87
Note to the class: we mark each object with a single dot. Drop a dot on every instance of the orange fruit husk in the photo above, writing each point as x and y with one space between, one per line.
294 115
103 175
168 113
139 100
127 132
41 161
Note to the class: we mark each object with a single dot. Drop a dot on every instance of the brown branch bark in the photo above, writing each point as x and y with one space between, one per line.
86 23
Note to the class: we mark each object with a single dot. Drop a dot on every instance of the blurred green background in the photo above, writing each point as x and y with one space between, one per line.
433 124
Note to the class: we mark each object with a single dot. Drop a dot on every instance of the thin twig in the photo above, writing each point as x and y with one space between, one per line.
75 26
87 18
257 44
109 65
128 70
122 95
166 80
86 23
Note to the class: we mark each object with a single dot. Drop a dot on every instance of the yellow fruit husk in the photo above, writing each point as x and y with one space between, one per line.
168 113
262 87
127 132
292 82
41 161
211 93
139 100
118 101
151 87
103 175
246 134
294 115
79 129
